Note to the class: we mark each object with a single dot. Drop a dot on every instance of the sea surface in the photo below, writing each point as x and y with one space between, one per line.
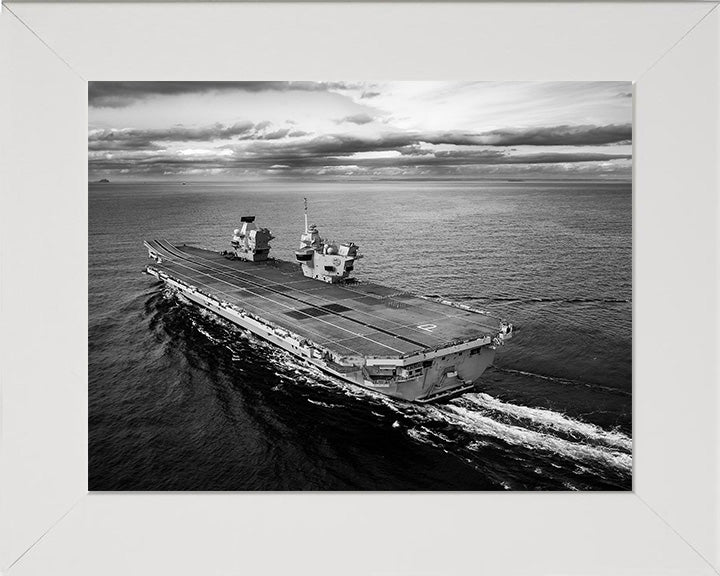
180 400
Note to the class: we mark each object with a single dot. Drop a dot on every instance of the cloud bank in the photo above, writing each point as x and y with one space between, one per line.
313 129
121 94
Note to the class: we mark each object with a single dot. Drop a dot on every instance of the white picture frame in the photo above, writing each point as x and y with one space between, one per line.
669 524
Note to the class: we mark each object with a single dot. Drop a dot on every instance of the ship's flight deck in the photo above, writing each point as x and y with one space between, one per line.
350 319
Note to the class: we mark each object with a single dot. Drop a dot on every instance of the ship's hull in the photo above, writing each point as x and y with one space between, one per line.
418 373
411 389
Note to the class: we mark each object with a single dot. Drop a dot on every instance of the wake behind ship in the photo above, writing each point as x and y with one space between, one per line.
393 342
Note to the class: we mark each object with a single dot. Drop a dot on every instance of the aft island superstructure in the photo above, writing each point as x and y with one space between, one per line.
387 340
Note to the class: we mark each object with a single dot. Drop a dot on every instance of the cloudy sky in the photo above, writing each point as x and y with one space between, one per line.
315 130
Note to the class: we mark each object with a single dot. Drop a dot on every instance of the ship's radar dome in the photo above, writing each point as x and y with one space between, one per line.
236 231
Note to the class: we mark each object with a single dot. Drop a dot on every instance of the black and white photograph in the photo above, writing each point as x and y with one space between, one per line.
360 286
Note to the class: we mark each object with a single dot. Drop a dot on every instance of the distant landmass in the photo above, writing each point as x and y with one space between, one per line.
104 180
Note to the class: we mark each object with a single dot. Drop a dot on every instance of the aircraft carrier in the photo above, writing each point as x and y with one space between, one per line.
392 342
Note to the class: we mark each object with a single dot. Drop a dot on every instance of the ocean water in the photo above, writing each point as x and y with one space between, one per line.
171 409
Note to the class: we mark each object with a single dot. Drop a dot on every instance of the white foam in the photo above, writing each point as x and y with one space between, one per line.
552 420
323 404
423 435
207 335
478 424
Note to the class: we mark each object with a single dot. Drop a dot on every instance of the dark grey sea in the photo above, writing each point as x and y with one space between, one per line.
179 400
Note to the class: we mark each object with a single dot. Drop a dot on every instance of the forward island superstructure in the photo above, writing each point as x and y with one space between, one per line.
250 242
390 341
